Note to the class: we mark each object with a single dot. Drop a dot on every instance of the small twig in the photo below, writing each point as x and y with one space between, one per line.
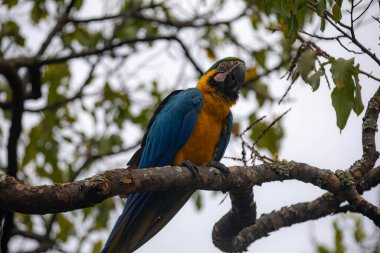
321 37
57 28
347 49
252 124
187 53
294 61
269 127
352 20
354 40
364 11
61 102
286 92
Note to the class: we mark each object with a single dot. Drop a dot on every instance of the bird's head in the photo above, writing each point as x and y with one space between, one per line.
226 76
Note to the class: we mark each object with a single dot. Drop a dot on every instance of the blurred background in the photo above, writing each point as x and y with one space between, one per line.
105 66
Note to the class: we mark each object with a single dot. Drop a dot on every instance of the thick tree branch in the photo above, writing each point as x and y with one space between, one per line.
93 190
287 216
275 220
191 23
369 129
32 61
241 215
88 192
17 107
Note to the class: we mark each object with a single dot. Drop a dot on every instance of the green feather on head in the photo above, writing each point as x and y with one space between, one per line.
216 64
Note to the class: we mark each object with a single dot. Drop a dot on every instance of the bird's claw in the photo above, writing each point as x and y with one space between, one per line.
192 167
220 166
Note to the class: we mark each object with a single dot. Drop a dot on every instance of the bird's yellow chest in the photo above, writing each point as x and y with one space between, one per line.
200 147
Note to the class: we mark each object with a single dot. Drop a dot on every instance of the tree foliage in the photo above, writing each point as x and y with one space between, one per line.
78 84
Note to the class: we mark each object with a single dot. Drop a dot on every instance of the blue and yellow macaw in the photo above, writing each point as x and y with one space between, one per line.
190 127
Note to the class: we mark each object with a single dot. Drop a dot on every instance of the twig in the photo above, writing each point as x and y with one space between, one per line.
57 28
354 40
252 124
79 94
286 92
364 11
269 127
347 49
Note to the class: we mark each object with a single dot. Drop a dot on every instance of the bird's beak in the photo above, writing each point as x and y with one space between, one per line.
238 75
234 78
231 80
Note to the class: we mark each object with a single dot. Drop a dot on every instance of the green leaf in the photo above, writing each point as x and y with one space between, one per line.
262 93
12 29
342 72
85 37
102 215
343 102
107 143
293 30
97 247
321 7
271 140
359 233
78 4
323 249
358 103
337 14
66 227
306 63
323 24
314 79
38 11
260 57
339 247
10 3
198 200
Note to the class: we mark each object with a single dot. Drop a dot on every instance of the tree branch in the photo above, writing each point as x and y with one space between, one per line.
369 129
32 61
56 29
17 107
192 23
88 192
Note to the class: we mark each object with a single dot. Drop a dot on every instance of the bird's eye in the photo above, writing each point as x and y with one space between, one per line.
223 67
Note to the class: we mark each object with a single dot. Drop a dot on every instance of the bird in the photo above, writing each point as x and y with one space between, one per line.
190 127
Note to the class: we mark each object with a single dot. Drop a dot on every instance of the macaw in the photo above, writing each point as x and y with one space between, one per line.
190 127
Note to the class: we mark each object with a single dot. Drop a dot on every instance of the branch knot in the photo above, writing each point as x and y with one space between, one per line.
370 124
346 179
283 167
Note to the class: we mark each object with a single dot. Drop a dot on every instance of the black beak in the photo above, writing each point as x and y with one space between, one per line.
238 75
234 80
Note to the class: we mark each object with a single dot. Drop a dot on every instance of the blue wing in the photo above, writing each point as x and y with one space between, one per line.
168 131
171 128
224 138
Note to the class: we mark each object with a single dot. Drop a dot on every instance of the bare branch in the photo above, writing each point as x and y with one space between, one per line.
88 192
347 49
269 127
354 40
364 11
57 28
192 23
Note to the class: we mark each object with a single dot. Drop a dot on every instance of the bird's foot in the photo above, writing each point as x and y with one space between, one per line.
192 167
220 166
